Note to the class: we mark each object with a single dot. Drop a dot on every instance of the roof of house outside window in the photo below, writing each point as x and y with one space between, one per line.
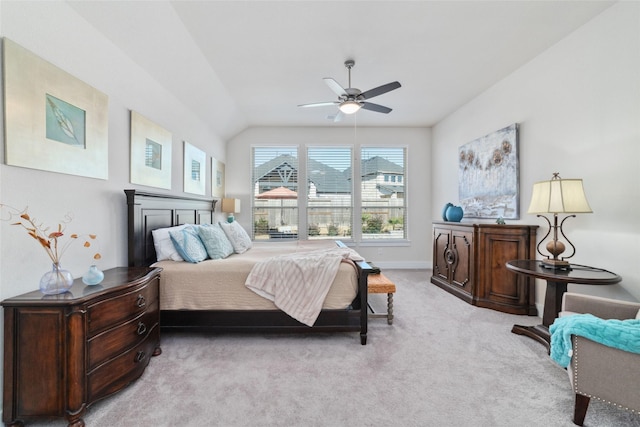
326 179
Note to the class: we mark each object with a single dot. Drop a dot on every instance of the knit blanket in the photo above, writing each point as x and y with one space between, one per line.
298 283
621 334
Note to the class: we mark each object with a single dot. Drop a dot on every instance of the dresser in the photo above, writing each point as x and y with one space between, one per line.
469 261
64 352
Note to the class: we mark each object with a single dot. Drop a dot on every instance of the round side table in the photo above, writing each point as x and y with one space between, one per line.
557 281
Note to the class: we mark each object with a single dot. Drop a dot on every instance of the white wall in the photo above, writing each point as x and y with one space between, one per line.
418 142
578 105
53 31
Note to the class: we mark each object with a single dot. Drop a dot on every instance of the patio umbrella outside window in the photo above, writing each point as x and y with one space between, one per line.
280 193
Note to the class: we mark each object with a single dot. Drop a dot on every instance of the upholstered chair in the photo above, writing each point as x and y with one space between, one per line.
597 371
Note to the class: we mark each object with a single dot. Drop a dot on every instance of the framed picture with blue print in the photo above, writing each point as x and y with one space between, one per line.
53 120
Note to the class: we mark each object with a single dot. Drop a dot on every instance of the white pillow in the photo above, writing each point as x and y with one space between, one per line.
188 244
165 250
237 235
638 315
215 241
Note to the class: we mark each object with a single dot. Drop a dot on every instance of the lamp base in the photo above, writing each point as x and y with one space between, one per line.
230 218
556 264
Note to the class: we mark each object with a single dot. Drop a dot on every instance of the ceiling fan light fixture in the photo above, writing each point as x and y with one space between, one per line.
349 107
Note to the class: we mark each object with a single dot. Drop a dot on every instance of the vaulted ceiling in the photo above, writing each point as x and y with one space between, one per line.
250 63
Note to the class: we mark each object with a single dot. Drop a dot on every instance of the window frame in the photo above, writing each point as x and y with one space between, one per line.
302 151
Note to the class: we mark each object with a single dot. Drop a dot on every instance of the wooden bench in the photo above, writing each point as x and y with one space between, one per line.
380 284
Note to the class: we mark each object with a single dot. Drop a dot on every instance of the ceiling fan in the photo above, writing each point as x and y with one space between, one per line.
350 100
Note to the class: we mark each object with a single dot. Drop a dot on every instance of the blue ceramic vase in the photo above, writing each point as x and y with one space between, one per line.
454 213
444 211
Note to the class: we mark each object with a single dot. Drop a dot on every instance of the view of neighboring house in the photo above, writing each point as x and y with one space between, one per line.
329 196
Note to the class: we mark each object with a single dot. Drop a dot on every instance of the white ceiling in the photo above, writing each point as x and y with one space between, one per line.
250 63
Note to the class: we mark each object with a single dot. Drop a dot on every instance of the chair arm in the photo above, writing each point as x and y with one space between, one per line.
604 308
605 373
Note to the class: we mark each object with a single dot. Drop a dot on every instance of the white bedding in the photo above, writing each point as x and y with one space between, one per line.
220 284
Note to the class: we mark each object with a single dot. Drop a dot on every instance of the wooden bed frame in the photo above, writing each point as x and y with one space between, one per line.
149 211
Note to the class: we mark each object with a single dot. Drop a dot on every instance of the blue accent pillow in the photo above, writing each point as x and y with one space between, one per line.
188 244
215 241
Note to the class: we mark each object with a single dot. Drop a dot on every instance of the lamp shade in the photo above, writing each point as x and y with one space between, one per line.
559 196
231 205
349 107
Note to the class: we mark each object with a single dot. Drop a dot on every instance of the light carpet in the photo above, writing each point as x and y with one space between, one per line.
442 363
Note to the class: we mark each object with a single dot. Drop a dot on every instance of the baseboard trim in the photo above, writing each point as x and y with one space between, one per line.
404 265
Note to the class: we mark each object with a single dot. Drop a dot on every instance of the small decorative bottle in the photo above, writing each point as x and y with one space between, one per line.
93 276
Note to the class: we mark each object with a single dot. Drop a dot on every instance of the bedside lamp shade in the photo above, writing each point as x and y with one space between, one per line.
230 206
558 196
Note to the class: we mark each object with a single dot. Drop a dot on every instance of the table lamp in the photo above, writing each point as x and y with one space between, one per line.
558 196
230 206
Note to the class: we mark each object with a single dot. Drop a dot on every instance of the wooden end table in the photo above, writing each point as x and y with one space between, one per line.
557 281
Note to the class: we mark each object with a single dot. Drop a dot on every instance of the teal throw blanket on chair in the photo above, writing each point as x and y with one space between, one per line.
621 334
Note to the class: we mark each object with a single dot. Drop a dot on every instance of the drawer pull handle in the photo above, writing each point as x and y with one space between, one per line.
142 328
140 356
140 301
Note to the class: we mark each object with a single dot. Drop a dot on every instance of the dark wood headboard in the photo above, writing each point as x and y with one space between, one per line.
149 211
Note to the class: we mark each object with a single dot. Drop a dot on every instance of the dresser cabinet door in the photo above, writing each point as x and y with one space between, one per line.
462 257
33 384
499 288
453 258
441 244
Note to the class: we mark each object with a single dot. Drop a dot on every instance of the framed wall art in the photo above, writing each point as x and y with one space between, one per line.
195 169
217 178
488 175
150 153
53 121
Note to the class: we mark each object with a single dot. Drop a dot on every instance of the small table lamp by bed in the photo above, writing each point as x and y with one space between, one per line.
230 206
564 196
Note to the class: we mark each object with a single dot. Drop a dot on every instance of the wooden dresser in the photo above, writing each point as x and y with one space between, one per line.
469 261
64 352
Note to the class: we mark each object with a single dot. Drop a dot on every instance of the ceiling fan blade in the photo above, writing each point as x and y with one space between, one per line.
338 117
375 107
335 86
320 104
379 90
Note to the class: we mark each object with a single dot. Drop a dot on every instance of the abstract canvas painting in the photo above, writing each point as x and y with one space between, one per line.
488 175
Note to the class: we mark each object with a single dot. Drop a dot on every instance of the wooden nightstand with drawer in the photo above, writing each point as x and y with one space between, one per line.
64 352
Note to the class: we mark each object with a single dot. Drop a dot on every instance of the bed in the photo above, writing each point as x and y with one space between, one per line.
150 211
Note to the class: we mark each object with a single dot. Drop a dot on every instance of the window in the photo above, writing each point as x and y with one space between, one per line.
329 200
275 192
383 199
325 206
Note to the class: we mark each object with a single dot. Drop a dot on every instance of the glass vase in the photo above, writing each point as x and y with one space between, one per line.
56 281
93 277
